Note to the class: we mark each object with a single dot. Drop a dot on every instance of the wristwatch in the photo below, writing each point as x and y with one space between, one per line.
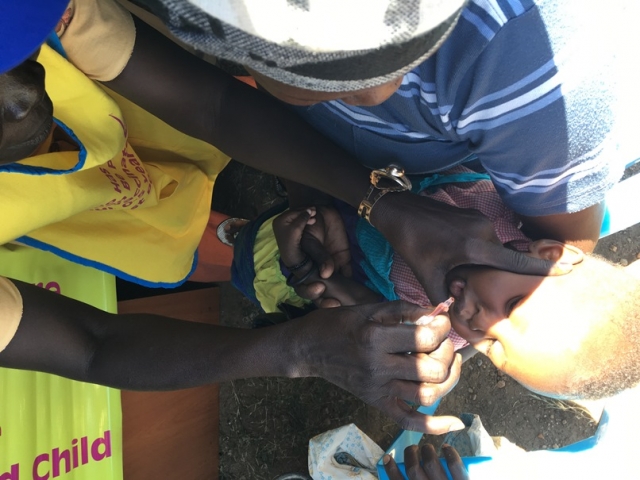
383 181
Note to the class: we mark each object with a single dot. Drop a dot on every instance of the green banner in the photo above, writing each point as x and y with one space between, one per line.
51 427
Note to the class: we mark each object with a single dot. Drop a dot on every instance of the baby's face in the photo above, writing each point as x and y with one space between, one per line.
523 323
26 111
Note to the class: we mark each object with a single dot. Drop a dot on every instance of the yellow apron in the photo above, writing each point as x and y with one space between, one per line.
134 201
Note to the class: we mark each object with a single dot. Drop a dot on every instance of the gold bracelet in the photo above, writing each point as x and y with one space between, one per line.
366 206
383 180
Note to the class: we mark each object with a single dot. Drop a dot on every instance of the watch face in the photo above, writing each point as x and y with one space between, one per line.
386 183
391 178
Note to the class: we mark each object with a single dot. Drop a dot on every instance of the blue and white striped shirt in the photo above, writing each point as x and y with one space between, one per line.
526 87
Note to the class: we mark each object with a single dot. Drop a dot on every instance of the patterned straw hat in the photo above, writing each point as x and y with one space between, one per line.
323 45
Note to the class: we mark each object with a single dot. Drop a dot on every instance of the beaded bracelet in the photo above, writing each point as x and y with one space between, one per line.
298 266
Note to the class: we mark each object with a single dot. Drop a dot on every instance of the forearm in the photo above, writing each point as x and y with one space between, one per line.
301 196
268 136
355 348
140 352
253 128
158 353
581 229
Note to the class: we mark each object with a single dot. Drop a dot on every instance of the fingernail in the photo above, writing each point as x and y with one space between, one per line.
386 459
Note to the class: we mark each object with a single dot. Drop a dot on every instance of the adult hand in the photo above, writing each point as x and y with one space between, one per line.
363 349
326 242
431 469
296 226
288 228
433 238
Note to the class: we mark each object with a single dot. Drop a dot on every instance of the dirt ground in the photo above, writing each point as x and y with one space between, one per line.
265 424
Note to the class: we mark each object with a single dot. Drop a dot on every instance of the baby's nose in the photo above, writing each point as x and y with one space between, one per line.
485 319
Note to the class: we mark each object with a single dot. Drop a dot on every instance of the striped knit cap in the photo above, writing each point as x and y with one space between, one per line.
322 45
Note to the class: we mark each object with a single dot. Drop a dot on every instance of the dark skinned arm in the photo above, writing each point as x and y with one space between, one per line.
581 229
257 130
361 350
203 101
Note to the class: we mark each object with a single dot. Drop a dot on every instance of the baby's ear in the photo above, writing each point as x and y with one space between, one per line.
556 251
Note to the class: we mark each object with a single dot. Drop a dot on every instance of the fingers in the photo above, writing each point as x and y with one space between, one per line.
432 385
288 229
314 291
442 355
454 463
436 425
431 463
342 262
393 313
311 291
434 285
431 468
496 256
391 468
431 367
337 242
328 303
327 267
296 217
412 464
418 338
410 419
319 254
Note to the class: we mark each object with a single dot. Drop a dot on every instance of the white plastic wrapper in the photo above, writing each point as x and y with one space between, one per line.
345 452
474 441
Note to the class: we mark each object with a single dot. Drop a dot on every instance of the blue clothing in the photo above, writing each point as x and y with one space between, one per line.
371 255
372 252
243 268
527 88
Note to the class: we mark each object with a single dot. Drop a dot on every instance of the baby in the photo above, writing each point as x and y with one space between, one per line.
571 336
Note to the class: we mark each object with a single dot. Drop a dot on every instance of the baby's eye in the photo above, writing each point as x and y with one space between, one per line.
512 304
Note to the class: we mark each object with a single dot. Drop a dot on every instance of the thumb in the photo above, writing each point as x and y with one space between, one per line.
410 419
393 313
300 220
289 226
434 284
498 256
319 254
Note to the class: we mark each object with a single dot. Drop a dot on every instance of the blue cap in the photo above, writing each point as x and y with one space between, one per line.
24 26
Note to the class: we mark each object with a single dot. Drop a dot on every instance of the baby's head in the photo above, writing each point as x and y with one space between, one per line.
27 111
570 336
